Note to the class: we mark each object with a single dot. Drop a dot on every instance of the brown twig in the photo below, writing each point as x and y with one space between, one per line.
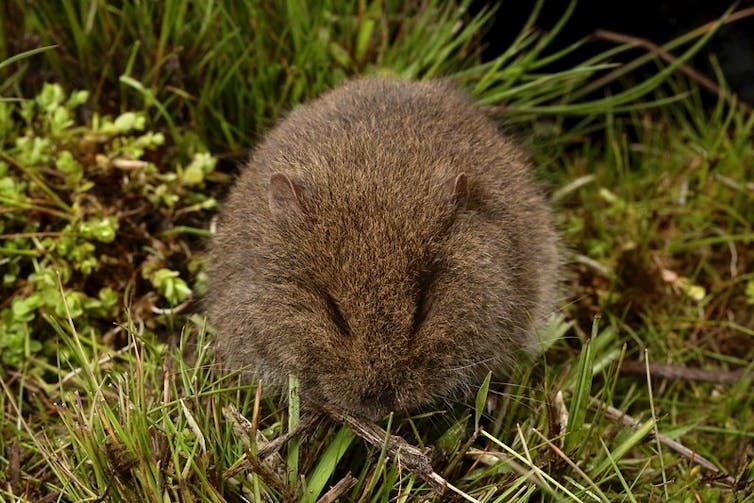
345 484
621 417
734 184
306 423
269 475
14 466
408 456
669 371
666 56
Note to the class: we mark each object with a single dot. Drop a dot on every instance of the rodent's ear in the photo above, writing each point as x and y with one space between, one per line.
457 190
284 198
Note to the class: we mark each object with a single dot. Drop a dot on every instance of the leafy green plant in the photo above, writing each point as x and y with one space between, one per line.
84 208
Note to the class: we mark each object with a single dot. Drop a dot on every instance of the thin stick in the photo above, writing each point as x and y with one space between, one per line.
305 424
669 371
626 420
686 69
409 457
252 461
345 484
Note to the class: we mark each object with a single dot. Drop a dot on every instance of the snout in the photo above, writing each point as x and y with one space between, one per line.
370 391
370 402
377 402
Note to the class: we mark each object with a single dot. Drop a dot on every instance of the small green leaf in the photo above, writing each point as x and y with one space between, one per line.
73 305
450 441
24 309
582 386
60 120
76 99
481 400
326 464
750 291
128 121
170 285
363 37
101 229
201 165
68 165
51 97
108 297
637 436
340 55
124 123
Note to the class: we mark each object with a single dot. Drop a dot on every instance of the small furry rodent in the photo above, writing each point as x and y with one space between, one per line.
387 245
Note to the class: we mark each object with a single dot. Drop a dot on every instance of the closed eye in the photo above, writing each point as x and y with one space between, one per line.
337 315
423 301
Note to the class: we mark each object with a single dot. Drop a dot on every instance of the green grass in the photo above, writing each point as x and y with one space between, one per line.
225 71
111 397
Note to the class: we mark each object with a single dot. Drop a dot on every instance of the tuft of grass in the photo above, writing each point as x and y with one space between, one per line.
225 71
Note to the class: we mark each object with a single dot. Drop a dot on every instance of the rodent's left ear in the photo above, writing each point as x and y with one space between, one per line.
457 190
284 199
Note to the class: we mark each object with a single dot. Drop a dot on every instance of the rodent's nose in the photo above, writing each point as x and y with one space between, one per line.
381 396
382 399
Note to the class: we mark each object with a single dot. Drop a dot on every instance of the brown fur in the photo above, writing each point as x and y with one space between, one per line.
386 244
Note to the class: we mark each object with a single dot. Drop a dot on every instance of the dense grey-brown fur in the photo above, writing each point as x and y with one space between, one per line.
386 244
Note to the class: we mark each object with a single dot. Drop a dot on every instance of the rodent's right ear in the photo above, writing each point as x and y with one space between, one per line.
284 198
457 190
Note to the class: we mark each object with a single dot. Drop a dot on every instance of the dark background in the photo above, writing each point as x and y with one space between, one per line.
658 21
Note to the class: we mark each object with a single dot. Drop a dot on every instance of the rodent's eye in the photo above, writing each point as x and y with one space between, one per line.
337 315
423 301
